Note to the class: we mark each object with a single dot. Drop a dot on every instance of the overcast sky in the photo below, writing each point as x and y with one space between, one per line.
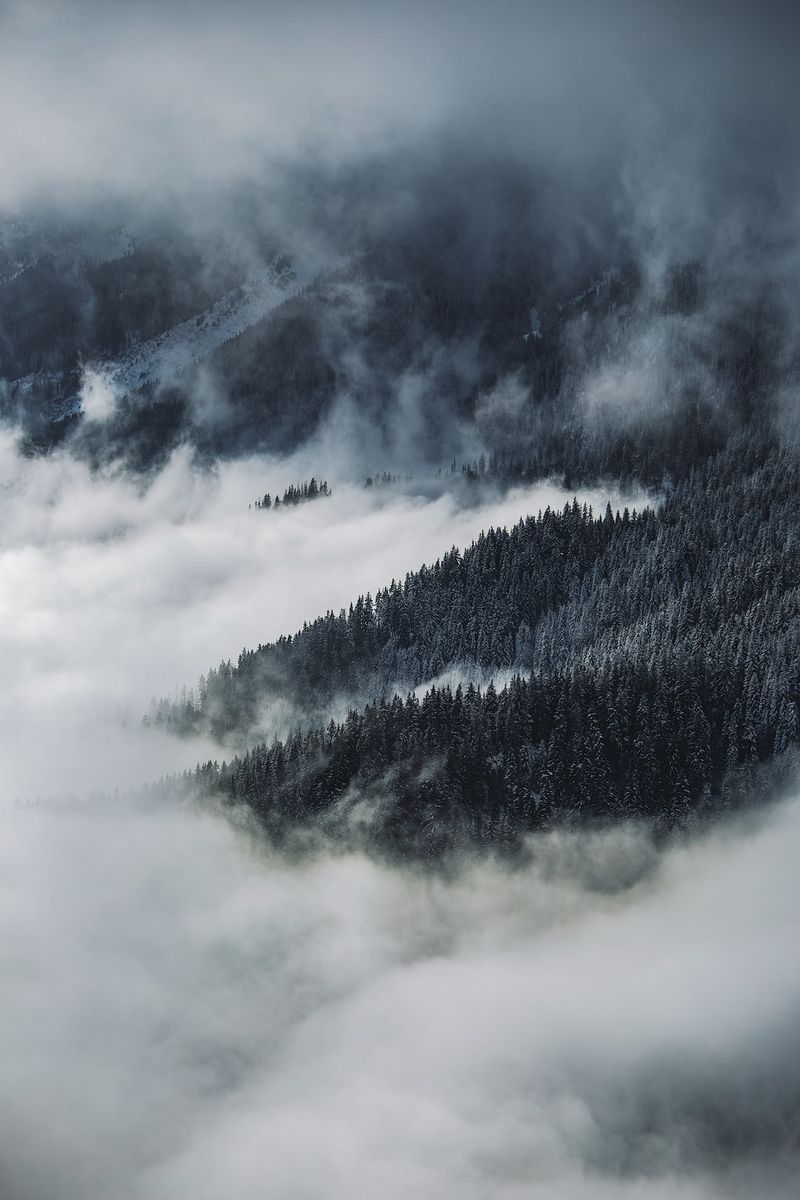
167 95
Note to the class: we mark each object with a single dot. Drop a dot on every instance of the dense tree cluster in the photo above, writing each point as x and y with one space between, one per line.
654 658
387 479
296 493
468 608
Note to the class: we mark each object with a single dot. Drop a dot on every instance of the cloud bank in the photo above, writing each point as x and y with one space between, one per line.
185 1016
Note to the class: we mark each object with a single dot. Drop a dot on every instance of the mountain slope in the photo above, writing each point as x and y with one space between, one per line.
461 323
667 672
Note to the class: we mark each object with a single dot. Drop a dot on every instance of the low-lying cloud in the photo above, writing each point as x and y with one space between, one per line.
187 1016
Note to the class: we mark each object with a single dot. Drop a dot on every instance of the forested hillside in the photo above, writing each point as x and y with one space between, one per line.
472 608
91 292
584 365
518 356
656 658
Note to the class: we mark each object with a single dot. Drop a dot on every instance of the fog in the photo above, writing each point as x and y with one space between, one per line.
186 1016
676 120
188 100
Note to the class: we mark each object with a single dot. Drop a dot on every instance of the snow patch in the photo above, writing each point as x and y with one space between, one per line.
165 357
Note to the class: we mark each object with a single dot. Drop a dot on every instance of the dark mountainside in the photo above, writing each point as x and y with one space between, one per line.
656 661
486 312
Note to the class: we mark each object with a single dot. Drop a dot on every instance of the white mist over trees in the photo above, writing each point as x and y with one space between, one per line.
114 590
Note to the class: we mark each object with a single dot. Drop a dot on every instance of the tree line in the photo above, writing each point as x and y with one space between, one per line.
296 493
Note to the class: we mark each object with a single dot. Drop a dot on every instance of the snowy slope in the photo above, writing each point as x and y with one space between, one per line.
166 356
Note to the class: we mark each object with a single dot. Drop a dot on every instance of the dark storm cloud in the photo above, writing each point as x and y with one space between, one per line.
139 95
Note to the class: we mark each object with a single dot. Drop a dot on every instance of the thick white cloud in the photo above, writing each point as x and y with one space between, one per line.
186 1017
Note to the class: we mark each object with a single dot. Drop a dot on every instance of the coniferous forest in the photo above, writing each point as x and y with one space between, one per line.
295 493
650 661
